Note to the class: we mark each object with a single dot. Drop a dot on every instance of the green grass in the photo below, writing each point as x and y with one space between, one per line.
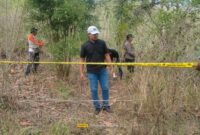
30 131
64 92
59 128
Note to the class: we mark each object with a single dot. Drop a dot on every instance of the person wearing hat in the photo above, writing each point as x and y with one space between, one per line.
95 50
34 46
129 55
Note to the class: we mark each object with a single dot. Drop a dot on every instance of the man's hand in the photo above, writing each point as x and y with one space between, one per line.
41 43
82 77
108 59
114 76
111 69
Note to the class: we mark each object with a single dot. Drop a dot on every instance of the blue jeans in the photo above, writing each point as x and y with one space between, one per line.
102 77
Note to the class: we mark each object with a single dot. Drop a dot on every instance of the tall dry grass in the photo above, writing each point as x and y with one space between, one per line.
165 101
169 101
169 97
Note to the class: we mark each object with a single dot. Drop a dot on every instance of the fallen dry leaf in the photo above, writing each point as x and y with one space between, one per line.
108 124
25 123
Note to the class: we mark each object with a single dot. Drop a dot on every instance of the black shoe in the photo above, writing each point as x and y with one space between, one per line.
26 74
107 109
34 71
97 111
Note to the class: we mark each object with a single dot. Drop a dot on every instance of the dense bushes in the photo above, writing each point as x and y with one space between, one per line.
65 20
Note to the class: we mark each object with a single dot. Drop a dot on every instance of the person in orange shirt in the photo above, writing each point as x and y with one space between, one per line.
34 46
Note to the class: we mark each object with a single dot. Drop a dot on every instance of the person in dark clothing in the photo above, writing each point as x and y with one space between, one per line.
114 55
95 50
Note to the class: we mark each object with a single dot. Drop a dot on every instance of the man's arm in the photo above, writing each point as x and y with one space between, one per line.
82 69
108 59
35 41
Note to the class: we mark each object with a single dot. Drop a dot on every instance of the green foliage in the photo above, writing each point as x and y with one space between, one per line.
15 4
42 9
167 24
65 48
164 19
62 51
167 20
65 19
59 128
66 15
30 131
8 124
129 16
196 2
63 90
61 15
91 4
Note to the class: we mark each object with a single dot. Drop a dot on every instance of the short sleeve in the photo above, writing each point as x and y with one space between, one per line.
82 52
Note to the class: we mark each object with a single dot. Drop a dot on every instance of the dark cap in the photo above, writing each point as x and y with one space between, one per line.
129 36
33 30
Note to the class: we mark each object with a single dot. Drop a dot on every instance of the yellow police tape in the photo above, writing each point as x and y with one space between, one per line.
82 125
151 64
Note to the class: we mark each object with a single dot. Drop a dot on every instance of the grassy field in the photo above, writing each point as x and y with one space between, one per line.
151 101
